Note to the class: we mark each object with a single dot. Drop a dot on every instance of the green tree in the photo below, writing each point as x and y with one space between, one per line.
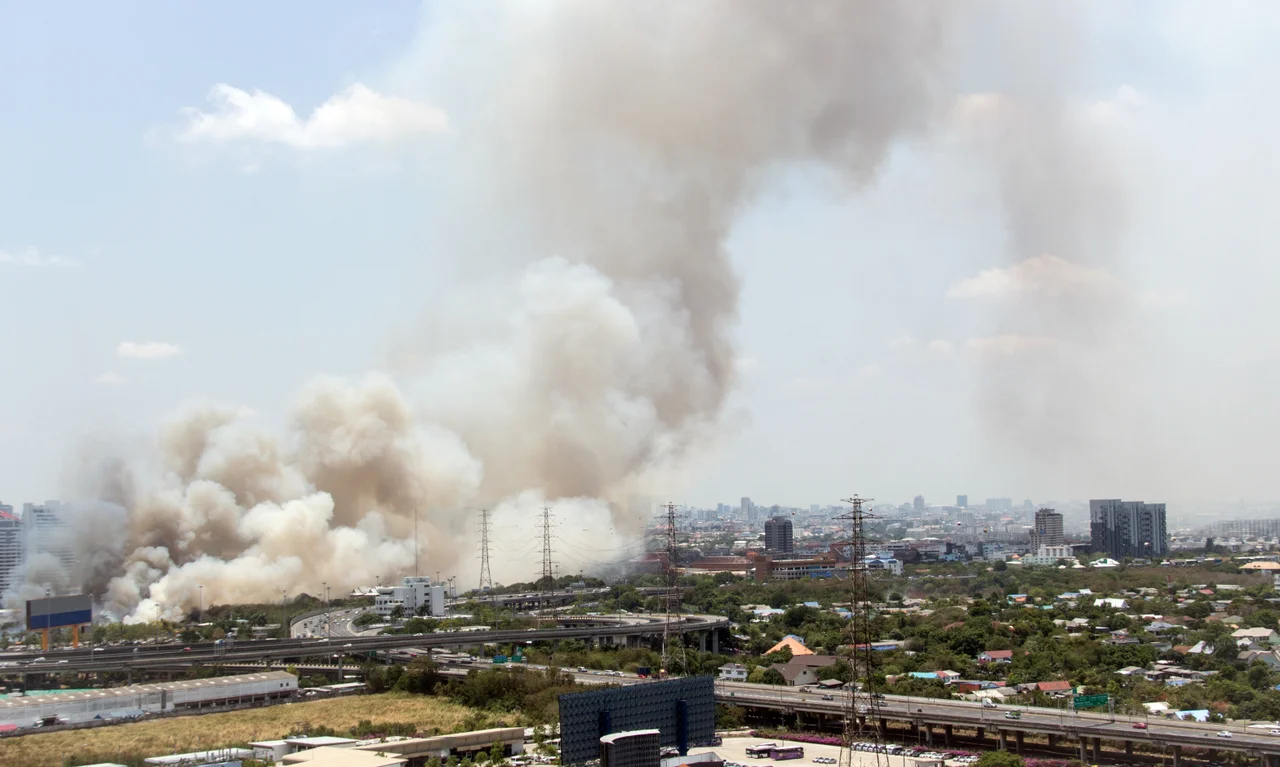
999 759
773 676
1000 567
496 754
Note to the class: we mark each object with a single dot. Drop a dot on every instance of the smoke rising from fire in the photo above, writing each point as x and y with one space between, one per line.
613 154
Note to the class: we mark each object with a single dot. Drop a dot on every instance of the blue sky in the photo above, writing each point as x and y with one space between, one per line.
265 264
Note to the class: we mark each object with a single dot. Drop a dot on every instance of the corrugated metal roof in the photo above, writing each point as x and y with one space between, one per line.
143 689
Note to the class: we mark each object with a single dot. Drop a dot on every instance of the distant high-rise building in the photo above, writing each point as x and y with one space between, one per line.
10 548
999 504
748 509
1127 528
918 503
962 501
1047 530
45 532
777 536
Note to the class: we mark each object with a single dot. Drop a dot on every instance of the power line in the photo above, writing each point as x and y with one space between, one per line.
486 579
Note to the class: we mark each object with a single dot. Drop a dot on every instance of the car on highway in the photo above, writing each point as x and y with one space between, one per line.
99 649
1224 734
1013 715
1139 725
827 697
1275 732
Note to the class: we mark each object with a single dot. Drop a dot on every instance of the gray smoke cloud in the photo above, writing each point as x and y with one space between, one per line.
613 148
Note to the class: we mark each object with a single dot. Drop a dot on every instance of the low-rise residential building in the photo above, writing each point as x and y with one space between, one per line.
995 656
803 670
733 672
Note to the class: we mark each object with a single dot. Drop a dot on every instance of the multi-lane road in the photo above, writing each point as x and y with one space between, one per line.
113 658
930 712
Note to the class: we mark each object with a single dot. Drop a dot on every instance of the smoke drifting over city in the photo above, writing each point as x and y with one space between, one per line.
622 142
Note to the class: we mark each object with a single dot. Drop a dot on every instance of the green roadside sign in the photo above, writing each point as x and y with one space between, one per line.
1089 701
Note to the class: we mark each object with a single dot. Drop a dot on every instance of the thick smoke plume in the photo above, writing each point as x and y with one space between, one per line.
616 146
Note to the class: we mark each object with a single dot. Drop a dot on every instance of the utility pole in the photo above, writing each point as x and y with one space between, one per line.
548 571
486 580
862 708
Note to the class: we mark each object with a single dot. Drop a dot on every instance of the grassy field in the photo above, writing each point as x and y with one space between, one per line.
128 742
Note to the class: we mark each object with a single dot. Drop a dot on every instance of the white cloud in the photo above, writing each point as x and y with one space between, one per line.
33 257
110 379
356 115
151 350
1007 345
902 344
1043 276
940 347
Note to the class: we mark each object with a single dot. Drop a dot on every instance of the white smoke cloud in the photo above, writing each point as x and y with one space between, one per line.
612 157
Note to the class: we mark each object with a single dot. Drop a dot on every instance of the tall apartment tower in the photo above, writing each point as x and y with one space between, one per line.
962 501
777 536
748 509
1047 530
10 548
1128 528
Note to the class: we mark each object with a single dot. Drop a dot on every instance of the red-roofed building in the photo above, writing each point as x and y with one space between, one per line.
1058 687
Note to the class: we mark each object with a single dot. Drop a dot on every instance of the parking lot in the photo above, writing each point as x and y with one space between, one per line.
735 750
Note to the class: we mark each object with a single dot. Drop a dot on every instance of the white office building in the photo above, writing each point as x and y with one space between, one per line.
415 593
10 548
1048 556
45 531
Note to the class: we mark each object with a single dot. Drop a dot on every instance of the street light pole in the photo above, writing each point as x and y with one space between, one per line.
284 616
200 616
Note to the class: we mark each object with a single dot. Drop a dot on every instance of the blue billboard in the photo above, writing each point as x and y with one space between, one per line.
56 612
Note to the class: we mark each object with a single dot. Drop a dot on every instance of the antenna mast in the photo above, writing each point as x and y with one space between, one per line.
416 570
486 580
548 567
861 707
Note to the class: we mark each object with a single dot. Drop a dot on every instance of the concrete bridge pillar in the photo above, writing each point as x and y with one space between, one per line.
1177 756
715 641
1004 741
1097 750
928 733
1084 750
982 734
1213 755
1018 740
702 641
947 732
1128 748
1053 740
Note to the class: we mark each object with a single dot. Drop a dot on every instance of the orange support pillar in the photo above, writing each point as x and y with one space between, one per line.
75 636
44 639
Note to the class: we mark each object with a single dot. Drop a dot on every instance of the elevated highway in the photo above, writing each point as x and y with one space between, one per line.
600 629
932 718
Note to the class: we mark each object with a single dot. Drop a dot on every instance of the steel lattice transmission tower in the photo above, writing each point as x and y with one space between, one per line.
672 596
861 706
548 566
486 578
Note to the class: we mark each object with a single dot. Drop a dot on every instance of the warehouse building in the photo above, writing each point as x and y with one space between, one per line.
138 699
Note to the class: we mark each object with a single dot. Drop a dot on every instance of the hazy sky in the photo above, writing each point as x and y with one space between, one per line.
221 201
